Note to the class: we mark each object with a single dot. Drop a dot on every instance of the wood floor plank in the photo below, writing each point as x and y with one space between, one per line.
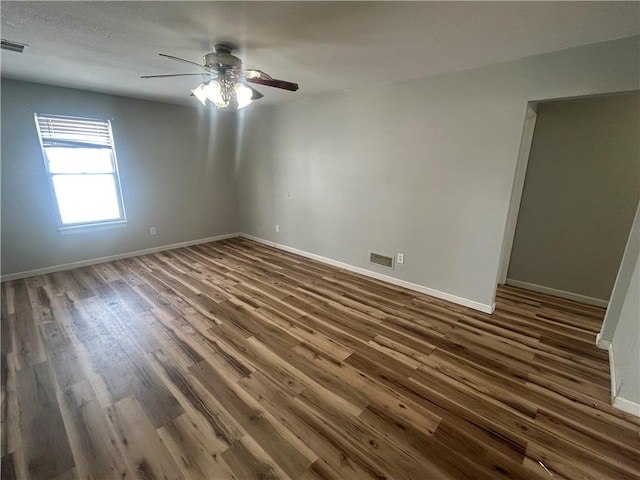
44 441
297 329
8 468
201 406
68 283
68 475
7 321
27 344
626 458
92 442
248 460
253 420
4 404
20 300
192 450
145 454
333 460
379 394
63 357
360 442
11 439
236 360
157 401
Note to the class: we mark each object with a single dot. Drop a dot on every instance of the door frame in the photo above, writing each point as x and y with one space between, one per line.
516 191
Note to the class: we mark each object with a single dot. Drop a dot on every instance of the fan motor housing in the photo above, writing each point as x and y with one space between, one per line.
222 58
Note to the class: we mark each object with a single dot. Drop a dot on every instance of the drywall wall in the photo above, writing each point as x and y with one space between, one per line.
580 194
626 347
424 167
176 170
621 286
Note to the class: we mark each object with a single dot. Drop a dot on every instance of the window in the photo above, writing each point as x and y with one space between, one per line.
81 162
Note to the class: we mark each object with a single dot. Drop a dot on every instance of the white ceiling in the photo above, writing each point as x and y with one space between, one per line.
323 46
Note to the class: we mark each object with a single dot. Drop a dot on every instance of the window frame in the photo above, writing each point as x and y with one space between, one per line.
75 227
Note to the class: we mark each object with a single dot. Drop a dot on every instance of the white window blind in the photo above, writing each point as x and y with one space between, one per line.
80 159
73 132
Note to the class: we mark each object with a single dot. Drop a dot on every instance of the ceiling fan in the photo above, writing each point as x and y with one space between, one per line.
228 81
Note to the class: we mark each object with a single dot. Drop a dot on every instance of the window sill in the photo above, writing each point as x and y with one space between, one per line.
73 229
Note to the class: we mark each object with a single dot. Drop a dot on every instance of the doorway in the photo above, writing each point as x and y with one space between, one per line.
575 193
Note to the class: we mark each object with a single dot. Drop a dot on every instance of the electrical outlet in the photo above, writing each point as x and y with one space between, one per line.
152 230
277 228
400 258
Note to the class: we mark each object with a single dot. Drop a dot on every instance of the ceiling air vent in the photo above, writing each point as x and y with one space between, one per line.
382 260
12 46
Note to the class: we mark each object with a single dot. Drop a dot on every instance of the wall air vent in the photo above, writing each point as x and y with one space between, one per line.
382 260
12 46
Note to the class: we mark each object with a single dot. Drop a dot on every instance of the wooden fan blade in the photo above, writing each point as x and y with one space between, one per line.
274 83
175 75
183 60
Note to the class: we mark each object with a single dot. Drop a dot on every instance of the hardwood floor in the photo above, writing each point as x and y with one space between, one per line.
236 360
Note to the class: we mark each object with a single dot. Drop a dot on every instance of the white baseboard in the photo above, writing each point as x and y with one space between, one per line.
111 258
259 240
601 343
612 373
597 302
379 276
626 406
617 401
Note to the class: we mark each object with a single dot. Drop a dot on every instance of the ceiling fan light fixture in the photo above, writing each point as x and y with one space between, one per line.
213 91
243 95
229 82
200 94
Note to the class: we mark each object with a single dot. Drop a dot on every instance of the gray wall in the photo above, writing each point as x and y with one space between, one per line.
423 167
580 194
176 168
621 286
626 345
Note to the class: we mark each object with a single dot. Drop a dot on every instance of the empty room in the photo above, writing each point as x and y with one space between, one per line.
320 240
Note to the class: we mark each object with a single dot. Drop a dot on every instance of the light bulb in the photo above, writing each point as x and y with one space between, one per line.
200 94
213 91
243 94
